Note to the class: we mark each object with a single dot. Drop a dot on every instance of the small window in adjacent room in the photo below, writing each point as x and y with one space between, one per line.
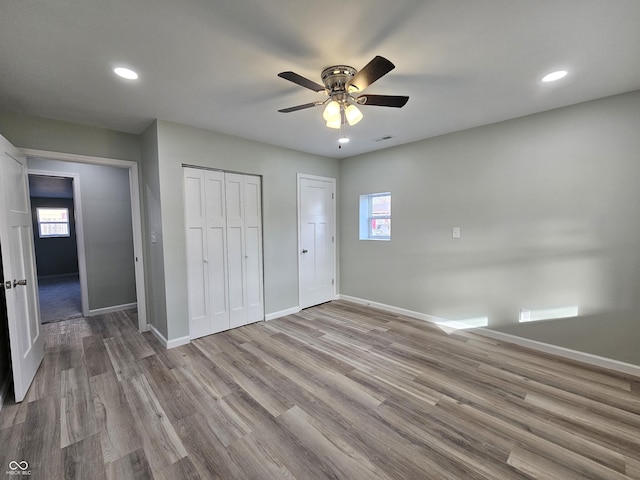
375 216
53 222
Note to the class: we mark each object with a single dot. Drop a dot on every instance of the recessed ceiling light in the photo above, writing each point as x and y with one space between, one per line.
553 76
125 73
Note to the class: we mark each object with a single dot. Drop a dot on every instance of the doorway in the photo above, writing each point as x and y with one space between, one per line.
131 191
53 209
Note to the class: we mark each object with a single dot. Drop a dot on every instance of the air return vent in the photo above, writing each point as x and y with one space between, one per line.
382 139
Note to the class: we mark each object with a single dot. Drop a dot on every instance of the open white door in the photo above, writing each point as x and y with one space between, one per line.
316 239
18 259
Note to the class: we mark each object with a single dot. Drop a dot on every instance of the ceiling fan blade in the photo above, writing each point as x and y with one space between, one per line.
300 107
397 101
302 81
371 72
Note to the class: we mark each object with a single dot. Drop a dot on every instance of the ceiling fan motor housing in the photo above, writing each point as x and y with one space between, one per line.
336 78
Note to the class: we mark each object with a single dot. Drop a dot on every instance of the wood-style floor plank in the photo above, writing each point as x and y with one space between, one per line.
337 391
77 413
131 466
82 460
159 439
116 425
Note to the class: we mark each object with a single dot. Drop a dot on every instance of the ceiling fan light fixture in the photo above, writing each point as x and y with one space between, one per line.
335 123
353 114
343 140
332 112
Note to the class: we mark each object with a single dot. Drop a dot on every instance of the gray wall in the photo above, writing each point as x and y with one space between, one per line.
179 144
108 236
56 136
154 253
611 335
548 207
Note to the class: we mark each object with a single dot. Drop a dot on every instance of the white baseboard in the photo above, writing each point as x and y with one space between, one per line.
568 353
176 342
282 313
391 309
115 308
4 389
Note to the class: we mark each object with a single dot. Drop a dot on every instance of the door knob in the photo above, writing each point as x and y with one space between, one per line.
19 282
6 285
305 250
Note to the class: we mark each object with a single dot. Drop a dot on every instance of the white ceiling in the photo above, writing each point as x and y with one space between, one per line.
214 63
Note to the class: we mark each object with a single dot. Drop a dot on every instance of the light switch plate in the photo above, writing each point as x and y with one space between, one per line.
153 237
456 232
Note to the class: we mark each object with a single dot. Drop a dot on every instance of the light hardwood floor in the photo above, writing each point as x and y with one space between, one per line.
337 391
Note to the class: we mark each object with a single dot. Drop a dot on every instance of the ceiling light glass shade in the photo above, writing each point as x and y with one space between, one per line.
337 123
332 113
353 114
343 140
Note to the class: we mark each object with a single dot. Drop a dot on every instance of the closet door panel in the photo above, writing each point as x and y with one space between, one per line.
253 275
197 272
236 277
217 250
199 323
235 249
253 248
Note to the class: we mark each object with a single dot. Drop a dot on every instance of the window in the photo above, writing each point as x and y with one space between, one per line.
53 222
375 216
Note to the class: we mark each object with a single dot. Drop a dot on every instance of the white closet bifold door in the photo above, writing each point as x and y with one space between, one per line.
224 250
197 275
236 250
253 248
216 258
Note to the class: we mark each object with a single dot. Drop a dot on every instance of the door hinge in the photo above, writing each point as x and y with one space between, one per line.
333 239
332 196
333 282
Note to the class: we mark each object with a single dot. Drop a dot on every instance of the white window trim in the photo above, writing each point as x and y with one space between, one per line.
40 223
366 217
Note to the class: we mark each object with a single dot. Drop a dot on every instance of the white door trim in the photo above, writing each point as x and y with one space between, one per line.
77 205
333 182
136 214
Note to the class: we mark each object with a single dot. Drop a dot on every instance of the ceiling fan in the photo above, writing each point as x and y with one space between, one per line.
343 85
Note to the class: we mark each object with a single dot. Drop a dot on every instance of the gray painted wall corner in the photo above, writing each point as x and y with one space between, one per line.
152 223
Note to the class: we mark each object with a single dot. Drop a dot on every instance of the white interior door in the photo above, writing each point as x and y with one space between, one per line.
18 259
316 239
